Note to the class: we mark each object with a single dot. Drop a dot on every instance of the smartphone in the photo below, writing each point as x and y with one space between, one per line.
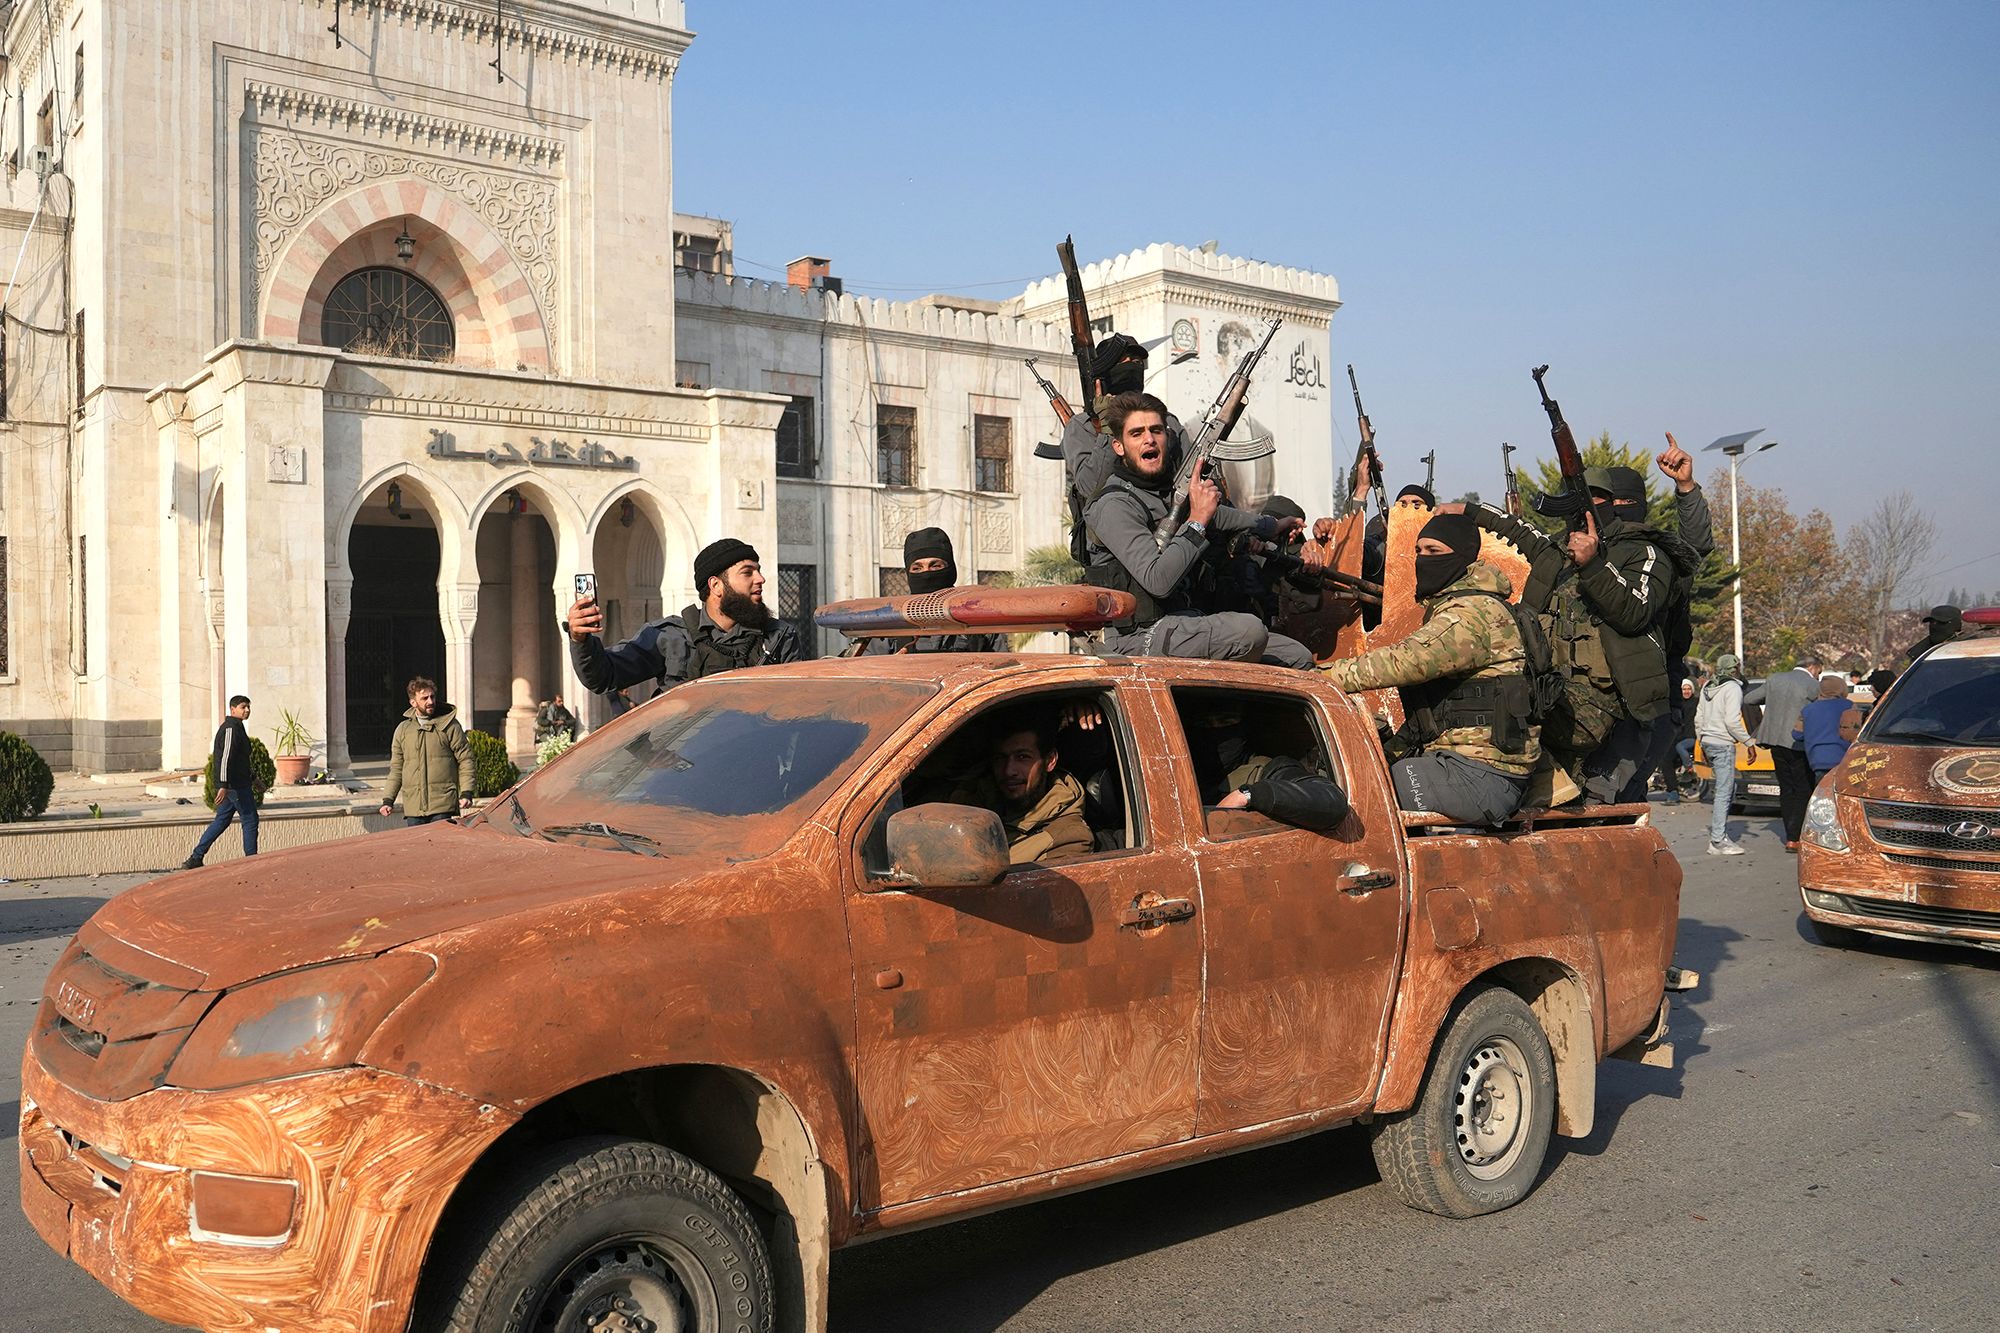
586 587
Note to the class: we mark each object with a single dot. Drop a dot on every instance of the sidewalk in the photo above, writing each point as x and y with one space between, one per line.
116 823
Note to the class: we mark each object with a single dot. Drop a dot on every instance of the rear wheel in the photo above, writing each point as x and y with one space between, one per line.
1475 1141
613 1236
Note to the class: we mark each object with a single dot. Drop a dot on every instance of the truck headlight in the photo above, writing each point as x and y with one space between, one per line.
1822 827
314 1018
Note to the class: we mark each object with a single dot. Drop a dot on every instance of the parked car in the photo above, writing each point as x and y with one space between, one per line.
1903 838
734 982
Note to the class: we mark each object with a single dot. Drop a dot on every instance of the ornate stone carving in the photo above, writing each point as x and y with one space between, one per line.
640 52
996 533
326 112
295 175
285 463
897 521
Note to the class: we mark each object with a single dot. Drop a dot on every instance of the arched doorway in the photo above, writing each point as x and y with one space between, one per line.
516 653
629 558
393 631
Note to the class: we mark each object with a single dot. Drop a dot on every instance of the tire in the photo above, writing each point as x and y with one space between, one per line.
603 1226
1458 1152
1832 936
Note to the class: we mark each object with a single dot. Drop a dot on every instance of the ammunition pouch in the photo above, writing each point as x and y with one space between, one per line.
706 657
1500 705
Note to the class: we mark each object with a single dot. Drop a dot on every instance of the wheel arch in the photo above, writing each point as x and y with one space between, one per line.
735 1123
1561 1004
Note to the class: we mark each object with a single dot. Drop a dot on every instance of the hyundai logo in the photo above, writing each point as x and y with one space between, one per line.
1968 830
74 1005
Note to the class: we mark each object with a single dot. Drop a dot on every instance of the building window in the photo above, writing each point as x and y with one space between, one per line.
76 94
690 374
4 666
79 360
797 456
798 598
45 122
892 581
387 312
992 453
83 606
896 445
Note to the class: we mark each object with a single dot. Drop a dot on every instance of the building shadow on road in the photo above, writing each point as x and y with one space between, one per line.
10 1120
26 920
1700 946
978 1274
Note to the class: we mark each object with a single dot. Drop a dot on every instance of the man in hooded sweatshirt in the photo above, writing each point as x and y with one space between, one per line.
931 567
1718 725
430 763
1467 747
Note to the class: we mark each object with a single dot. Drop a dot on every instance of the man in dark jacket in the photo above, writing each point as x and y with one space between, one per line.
235 783
932 567
1783 697
729 628
1942 625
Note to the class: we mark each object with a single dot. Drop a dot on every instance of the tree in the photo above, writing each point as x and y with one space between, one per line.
1798 592
1884 551
1546 476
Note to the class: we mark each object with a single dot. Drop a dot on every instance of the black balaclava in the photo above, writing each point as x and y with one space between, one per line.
1119 365
1283 506
1943 624
922 545
1435 573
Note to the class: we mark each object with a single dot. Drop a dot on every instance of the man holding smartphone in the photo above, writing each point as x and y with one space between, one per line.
728 629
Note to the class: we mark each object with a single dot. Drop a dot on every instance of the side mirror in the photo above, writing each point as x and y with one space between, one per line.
943 846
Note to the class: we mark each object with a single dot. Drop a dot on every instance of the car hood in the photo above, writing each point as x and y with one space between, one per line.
357 897
1954 775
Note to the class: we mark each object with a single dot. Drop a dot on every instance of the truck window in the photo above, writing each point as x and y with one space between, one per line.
1078 800
1941 701
1235 737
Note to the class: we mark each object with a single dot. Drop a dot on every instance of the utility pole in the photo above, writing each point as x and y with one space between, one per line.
1735 446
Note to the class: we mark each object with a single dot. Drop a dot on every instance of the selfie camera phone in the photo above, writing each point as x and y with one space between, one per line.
586 586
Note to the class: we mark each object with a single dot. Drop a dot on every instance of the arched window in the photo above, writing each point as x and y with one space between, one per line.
387 312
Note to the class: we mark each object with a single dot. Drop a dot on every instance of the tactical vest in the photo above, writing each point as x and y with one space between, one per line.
1104 571
1503 706
708 657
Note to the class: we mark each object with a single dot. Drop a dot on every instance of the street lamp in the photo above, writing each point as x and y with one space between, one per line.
1735 446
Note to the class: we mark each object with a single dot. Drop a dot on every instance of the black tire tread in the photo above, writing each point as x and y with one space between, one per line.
1412 1151
571 1170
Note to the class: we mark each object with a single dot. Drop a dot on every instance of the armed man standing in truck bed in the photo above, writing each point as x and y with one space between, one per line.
1174 583
1469 742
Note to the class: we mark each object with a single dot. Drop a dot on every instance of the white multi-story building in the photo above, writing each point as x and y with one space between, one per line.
339 337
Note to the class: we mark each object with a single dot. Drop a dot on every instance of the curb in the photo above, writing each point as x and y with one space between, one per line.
53 850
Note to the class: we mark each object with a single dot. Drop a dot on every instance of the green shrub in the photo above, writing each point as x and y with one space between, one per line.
25 780
554 745
262 774
492 771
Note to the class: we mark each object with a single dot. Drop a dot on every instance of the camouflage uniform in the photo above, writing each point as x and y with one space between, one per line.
1467 635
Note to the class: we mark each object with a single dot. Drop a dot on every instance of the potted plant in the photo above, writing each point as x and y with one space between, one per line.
294 746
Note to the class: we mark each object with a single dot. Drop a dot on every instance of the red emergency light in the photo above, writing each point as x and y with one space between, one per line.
978 610
1982 615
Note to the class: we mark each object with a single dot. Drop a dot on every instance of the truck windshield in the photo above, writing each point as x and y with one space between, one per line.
741 759
1949 701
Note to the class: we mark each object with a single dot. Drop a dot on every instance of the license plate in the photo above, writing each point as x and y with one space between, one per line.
1762 789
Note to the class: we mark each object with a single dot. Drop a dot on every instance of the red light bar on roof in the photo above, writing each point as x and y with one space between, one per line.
978 610
1982 615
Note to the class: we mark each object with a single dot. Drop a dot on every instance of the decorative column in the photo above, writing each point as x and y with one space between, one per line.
218 663
458 606
525 636
339 606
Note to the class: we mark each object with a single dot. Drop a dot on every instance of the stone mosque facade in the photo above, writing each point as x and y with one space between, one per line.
339 337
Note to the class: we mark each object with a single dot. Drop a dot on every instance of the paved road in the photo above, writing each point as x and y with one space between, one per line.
1825 1156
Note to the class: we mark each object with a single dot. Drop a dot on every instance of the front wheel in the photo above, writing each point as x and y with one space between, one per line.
1832 936
1475 1140
616 1234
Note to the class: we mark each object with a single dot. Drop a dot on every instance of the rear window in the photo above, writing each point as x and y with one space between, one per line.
727 749
1941 701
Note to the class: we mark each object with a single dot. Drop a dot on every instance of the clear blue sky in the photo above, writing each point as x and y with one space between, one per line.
1706 217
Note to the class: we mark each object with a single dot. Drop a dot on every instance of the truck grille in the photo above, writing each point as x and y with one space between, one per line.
1894 824
107 1032
1957 918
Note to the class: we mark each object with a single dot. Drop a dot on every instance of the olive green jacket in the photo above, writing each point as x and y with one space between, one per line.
430 764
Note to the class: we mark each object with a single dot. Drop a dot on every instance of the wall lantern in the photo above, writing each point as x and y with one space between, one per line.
396 501
406 244
625 512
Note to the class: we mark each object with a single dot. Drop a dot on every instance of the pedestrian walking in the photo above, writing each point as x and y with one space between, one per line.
235 783
1718 723
1819 730
430 763
1784 696
1680 759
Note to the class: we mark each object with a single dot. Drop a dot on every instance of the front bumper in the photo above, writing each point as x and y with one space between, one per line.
1862 889
374 1157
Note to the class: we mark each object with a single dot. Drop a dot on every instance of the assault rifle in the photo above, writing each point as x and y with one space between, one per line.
1513 501
1360 589
1063 410
1219 420
1574 501
1365 456
1430 462
1080 339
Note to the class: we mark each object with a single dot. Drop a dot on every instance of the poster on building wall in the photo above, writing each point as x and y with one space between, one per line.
1290 399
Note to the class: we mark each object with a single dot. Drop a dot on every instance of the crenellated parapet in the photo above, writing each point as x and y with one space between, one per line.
1297 292
752 297
640 38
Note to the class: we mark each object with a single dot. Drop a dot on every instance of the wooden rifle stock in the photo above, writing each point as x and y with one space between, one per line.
1063 410
1216 424
1568 457
1081 341
1364 456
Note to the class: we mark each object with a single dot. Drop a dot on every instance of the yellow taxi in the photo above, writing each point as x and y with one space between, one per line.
1756 779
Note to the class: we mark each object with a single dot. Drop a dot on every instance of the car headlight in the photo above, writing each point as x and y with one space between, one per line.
314 1018
1822 826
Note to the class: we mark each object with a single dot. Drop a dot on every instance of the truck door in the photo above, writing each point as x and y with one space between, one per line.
1015 1029
1304 929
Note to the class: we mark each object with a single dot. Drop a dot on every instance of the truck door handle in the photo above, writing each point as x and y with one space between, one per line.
1358 879
1142 915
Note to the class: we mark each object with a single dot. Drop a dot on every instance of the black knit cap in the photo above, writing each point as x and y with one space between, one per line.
1457 531
1118 347
1283 506
925 544
1421 492
719 557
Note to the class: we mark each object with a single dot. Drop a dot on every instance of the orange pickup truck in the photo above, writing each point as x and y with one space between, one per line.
734 983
